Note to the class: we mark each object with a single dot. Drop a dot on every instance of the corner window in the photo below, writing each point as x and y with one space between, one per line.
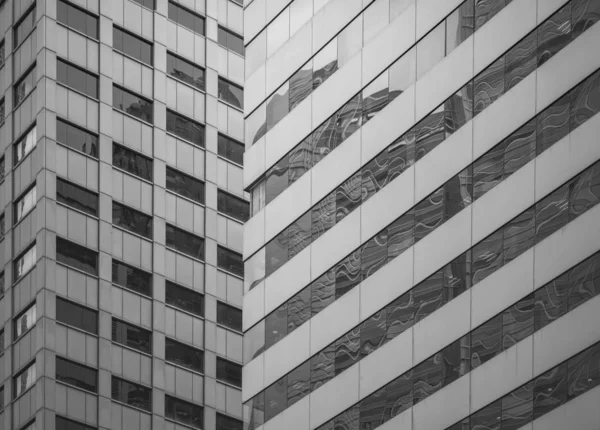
24 86
76 315
185 185
25 203
184 299
185 71
131 336
76 197
233 206
230 261
184 412
231 149
185 242
76 374
186 18
25 145
77 138
76 18
25 262
228 372
133 104
132 394
185 128
231 93
25 321
132 162
132 278
229 316
184 355
24 380
132 220
76 256
76 78
131 45
25 27
231 41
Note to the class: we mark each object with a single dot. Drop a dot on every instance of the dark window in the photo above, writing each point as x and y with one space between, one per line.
76 315
1 283
24 27
186 18
24 146
232 150
2 55
185 185
132 278
231 93
24 380
76 138
76 256
229 372
185 128
184 412
184 355
25 321
25 203
132 45
76 197
2 165
133 104
131 336
1 389
233 206
76 18
76 374
132 162
147 3
229 316
132 394
2 113
24 86
184 299
227 423
185 71
132 220
231 41
230 261
25 262
185 242
77 78
2 227
1 346
67 424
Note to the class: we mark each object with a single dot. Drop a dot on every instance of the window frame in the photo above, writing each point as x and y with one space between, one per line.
20 257
131 93
180 136
22 313
93 150
32 189
30 71
193 14
234 366
23 138
189 63
220 321
86 12
180 250
80 365
126 149
148 235
139 38
82 248
81 307
227 101
134 384
173 286
73 422
70 184
237 199
88 73
186 177
188 349
224 251
171 400
115 262
114 332
227 142
228 33
23 370
30 10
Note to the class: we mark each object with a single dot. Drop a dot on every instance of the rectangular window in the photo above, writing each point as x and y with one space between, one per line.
1 283
24 146
2 54
131 394
233 206
184 412
78 19
132 162
76 374
229 316
131 336
231 150
133 104
67 424
132 220
25 321
2 112
230 261
2 168
25 203
146 3
131 45
185 71
76 197
77 138
76 315
76 78
185 128
1 398
25 262
231 41
25 27
184 299
228 372
227 423
185 185
24 86
132 278
1 343
231 93
2 227
24 380
186 18
185 242
76 256
184 355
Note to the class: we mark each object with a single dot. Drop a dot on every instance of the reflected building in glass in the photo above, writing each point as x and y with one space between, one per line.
423 247
121 214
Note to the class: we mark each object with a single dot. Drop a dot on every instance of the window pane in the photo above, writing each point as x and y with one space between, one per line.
25 321
228 423
229 372
185 71
184 355
78 19
76 374
132 162
185 185
76 256
25 204
131 394
67 424
133 104
132 220
230 261
76 197
231 93
25 27
186 18
76 315
184 412
76 138
185 128
25 262
185 242
229 316
131 336
132 278
184 299
24 380
25 145
231 150
77 78
132 45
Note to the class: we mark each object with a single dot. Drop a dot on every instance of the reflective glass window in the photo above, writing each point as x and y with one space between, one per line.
184 412
233 206
431 49
231 149
77 138
76 315
185 242
231 93
133 104
76 374
24 380
25 262
25 145
132 278
231 41
24 27
132 45
229 316
25 203
229 372
76 256
227 423
25 321
76 197
132 162
62 423
131 394
147 3
184 299
185 71
2 56
76 78
325 63
184 355
186 18
230 261
132 220
185 128
78 19
185 185
131 336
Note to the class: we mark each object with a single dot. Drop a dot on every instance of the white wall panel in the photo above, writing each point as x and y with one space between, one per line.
253 375
287 207
287 281
287 354
334 397
431 12
331 19
443 408
581 413
254 162
295 417
253 306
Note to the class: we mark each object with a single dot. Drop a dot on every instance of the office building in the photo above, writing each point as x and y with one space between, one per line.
423 245
122 210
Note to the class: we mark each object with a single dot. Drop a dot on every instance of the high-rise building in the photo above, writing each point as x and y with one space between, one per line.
122 210
423 246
